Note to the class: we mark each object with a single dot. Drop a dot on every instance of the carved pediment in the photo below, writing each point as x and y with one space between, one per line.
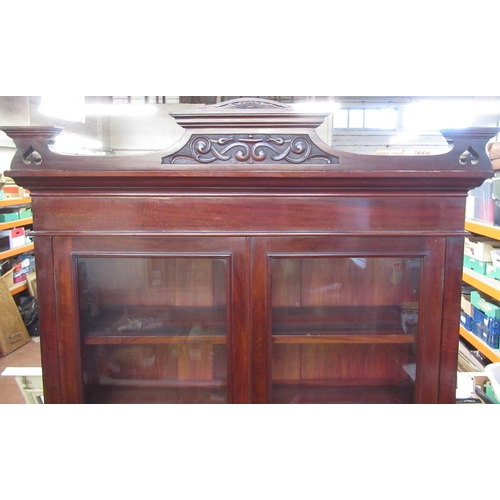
250 148
252 131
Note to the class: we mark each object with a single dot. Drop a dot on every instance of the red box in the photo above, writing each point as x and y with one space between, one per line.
17 237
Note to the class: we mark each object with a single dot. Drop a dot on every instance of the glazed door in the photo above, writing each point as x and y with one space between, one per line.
152 320
347 319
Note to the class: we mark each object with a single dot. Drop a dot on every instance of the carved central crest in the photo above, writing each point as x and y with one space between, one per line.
241 104
250 148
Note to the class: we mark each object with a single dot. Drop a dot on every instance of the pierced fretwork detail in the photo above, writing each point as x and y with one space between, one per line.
469 156
31 155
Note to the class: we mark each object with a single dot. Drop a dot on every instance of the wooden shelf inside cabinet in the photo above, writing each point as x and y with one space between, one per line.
16 251
13 202
490 353
16 223
157 393
344 339
369 392
153 339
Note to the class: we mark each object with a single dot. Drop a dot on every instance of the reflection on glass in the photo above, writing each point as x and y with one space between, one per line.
154 330
344 329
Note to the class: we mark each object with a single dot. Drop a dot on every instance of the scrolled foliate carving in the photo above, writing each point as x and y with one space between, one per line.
251 148
251 104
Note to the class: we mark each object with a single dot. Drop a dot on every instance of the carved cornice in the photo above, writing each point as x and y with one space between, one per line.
248 113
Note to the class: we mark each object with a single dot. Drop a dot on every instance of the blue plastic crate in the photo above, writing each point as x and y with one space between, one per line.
491 339
466 321
491 324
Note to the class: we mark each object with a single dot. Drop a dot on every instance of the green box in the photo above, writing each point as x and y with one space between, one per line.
24 213
492 271
490 393
9 216
476 265
491 310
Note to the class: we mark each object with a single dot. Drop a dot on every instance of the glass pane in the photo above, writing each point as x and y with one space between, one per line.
154 330
344 329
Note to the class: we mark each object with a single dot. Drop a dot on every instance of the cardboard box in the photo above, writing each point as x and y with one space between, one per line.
492 271
25 213
13 332
16 237
466 305
9 216
489 308
31 280
480 248
8 278
475 265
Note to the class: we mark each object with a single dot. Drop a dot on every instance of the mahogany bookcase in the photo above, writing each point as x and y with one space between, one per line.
249 263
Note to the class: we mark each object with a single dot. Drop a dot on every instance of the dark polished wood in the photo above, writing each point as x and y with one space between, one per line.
244 231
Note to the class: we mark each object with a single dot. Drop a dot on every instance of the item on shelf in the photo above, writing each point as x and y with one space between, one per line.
31 280
5 181
14 238
493 150
467 361
25 213
475 265
9 216
8 277
19 273
495 258
17 237
488 389
409 317
489 308
466 304
467 321
492 271
465 392
480 204
13 332
481 248
493 373
482 326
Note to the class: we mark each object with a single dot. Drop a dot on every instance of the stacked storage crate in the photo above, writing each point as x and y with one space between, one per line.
481 314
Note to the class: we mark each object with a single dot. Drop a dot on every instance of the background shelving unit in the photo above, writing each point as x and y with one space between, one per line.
7 254
489 286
